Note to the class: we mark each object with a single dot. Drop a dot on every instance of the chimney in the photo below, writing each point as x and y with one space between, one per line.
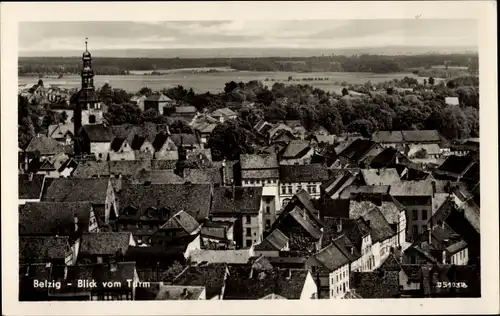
113 267
233 189
339 226
251 273
119 183
65 272
430 236
31 176
397 159
75 220
289 274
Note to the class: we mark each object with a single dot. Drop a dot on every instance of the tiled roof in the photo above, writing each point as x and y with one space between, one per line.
97 133
42 249
421 136
89 169
128 167
379 284
240 256
163 164
182 220
242 284
387 176
357 149
191 198
387 137
388 209
331 257
303 173
260 174
455 164
238 200
45 146
159 140
380 229
45 218
60 130
340 180
306 224
105 243
76 190
456 247
253 161
385 158
211 276
30 189
117 143
277 239
223 112
265 245
296 149
412 188
185 139
347 247
354 230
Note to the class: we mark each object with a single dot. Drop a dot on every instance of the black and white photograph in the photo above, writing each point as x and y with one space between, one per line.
235 159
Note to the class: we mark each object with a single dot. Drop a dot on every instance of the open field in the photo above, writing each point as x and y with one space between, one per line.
214 82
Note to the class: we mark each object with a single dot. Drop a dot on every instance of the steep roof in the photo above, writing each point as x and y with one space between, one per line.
357 149
60 130
353 229
30 189
45 218
211 276
128 167
105 243
303 173
347 247
388 208
184 139
158 98
331 257
258 161
97 133
191 198
310 226
380 229
117 143
182 220
243 284
277 239
455 165
76 190
223 112
348 191
244 200
296 149
45 146
42 249
387 176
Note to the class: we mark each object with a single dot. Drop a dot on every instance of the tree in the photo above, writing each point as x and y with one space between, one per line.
431 81
151 115
363 126
122 114
290 78
229 140
174 270
40 83
425 82
421 154
230 86
180 127
345 92
145 91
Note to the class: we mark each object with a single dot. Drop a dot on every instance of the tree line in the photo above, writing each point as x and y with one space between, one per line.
356 63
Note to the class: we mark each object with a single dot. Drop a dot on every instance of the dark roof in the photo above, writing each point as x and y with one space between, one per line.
260 174
184 139
331 257
128 167
182 220
303 173
385 158
45 146
236 200
380 229
42 249
76 190
333 186
117 143
30 189
354 230
159 140
45 218
379 284
137 142
347 247
261 161
455 165
191 198
306 223
97 133
104 243
277 239
211 276
243 284
387 137
357 149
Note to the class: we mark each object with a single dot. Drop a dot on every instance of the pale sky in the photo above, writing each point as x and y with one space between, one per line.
57 36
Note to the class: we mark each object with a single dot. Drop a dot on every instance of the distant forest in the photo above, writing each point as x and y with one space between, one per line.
360 63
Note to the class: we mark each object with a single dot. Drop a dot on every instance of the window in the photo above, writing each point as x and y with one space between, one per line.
283 189
268 210
248 219
337 277
268 223
249 243
424 214
249 232
285 202
92 119
343 287
415 230
414 215
424 228
313 188
299 187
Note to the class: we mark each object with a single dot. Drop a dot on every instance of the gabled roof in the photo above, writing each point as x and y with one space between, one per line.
357 149
306 223
353 229
338 182
236 200
387 176
117 143
277 239
331 258
223 112
351 190
211 276
45 146
49 218
89 169
380 229
182 220
303 173
296 149
60 130
243 284
347 247
97 133
30 186
43 249
158 98
77 190
455 165
105 243
192 198
184 139
258 161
